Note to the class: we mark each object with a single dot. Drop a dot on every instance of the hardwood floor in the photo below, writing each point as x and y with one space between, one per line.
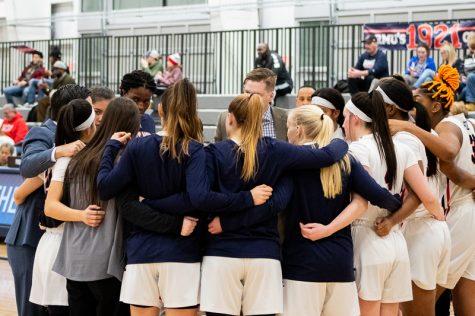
7 289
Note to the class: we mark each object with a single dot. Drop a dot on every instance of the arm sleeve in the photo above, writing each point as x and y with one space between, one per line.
257 214
408 72
308 157
59 169
363 184
112 180
37 149
144 216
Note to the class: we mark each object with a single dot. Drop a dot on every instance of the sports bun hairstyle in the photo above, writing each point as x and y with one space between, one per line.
443 87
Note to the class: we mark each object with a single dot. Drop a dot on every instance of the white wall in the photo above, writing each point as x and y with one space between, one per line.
31 19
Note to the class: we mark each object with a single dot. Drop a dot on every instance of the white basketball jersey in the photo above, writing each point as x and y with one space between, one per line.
365 150
465 159
417 148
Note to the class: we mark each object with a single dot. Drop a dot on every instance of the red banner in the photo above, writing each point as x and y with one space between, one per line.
409 35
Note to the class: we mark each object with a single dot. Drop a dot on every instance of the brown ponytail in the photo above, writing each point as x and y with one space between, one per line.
248 111
181 120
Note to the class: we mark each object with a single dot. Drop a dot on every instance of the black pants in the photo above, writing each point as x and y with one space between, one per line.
58 310
442 307
99 298
357 84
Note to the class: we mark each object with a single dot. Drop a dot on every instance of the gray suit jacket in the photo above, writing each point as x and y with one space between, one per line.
280 124
37 148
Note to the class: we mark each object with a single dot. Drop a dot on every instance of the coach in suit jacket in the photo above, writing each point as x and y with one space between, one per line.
260 81
39 154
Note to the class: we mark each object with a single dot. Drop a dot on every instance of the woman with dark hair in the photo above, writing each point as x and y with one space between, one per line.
420 67
75 123
383 273
140 86
429 261
91 256
454 145
332 103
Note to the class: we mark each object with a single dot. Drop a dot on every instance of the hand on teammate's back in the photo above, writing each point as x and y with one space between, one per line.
261 194
122 137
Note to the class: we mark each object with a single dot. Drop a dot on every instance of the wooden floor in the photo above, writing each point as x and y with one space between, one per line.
7 289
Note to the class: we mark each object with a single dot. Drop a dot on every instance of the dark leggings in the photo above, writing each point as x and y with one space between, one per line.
100 298
54 310
218 314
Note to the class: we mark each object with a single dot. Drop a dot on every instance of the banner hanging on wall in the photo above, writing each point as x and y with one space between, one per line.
404 36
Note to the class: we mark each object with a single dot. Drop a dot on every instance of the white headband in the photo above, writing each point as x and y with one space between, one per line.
322 102
87 123
388 99
350 106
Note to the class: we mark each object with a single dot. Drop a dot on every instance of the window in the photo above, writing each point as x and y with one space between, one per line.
134 4
313 52
184 2
91 5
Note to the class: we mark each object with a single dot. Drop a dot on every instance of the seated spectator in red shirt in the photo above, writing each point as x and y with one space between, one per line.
34 70
14 125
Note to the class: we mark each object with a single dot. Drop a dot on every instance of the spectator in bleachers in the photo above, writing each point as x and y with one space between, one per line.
468 92
34 70
271 60
6 150
42 86
172 74
101 97
59 77
372 64
152 63
449 57
14 125
304 96
420 67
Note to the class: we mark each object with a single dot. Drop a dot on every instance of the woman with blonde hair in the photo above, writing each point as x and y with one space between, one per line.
449 57
318 250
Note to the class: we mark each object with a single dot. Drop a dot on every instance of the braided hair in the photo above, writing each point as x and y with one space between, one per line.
137 79
442 88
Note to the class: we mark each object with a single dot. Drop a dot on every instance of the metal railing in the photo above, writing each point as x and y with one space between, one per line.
215 61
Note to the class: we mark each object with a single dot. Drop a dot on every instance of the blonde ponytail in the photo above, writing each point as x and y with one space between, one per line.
248 111
320 128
